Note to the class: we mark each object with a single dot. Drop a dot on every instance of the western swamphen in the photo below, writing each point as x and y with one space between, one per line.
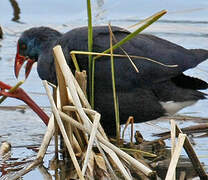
153 92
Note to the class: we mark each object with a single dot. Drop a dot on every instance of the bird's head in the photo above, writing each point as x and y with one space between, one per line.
30 45
25 52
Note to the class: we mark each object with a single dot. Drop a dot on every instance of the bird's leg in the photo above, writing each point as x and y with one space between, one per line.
22 95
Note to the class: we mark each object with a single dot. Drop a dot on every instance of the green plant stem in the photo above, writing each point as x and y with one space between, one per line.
90 44
133 34
149 21
115 98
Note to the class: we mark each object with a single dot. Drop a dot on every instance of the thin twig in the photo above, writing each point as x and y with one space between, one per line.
58 119
91 141
47 138
173 140
123 56
175 157
73 108
193 157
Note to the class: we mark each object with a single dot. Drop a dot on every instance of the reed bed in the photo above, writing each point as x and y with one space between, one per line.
91 154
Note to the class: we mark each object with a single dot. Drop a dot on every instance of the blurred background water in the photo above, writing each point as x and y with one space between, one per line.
186 23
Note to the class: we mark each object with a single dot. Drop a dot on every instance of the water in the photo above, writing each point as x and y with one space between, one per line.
185 23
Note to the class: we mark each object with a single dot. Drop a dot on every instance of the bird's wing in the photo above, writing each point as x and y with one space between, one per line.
162 51
142 45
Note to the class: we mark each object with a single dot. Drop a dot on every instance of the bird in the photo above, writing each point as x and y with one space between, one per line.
156 90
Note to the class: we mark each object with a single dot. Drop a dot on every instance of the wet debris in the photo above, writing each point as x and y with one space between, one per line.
199 128
184 165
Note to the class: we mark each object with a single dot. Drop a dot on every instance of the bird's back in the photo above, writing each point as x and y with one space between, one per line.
143 45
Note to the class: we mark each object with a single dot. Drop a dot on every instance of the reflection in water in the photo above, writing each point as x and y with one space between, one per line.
44 171
1 33
1 36
16 10
99 10
100 3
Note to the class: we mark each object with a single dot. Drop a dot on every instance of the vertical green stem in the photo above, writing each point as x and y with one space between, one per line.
153 18
115 97
90 44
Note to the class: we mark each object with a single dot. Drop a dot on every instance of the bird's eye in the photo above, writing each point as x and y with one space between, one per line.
23 46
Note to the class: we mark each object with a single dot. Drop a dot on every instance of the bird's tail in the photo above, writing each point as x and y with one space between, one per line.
201 54
188 82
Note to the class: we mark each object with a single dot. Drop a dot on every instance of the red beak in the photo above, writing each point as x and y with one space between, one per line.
19 61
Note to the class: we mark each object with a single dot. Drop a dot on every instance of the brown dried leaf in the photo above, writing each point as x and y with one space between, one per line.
100 162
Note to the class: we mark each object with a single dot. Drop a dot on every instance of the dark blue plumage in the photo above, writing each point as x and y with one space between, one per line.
143 95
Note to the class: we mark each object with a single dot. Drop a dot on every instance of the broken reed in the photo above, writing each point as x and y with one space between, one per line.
183 142
87 126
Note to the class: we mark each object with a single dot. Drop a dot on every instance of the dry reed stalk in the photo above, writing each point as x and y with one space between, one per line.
133 162
59 56
117 161
111 171
47 138
192 156
173 140
72 108
136 164
109 151
81 78
55 97
175 157
91 141
73 53
64 100
68 75
62 129
122 49
106 149
63 95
